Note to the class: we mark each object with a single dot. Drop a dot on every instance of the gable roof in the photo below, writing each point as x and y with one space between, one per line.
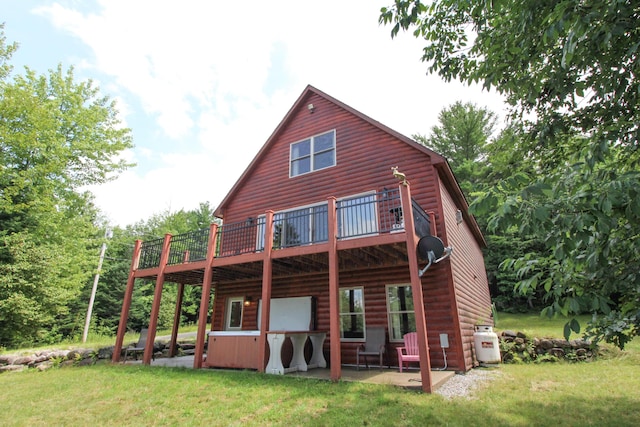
438 161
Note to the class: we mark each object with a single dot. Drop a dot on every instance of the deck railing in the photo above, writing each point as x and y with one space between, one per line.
188 247
150 253
360 216
240 237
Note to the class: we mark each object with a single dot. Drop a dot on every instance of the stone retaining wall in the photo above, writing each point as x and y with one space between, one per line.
516 347
45 359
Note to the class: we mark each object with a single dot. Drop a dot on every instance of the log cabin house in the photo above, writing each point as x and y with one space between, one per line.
343 230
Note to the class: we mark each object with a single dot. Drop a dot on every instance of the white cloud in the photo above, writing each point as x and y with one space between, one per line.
217 77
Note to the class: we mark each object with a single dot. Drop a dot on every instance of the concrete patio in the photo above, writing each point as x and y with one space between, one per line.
409 379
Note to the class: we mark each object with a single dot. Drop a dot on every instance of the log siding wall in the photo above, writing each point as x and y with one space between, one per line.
364 156
473 303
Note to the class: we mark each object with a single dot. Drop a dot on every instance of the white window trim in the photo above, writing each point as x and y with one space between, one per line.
364 319
227 321
312 154
376 214
389 322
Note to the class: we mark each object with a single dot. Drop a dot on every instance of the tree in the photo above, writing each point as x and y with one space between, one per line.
462 136
463 132
479 162
569 70
56 136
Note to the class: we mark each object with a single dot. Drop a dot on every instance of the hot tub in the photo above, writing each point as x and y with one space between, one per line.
233 349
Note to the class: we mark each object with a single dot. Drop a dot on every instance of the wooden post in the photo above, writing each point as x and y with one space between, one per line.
416 288
176 321
126 303
157 297
267 281
334 296
432 223
205 297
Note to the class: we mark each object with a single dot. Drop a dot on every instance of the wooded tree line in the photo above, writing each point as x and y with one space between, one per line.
58 135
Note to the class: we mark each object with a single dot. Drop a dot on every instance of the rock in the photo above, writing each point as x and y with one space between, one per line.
105 352
44 366
560 343
59 354
521 335
86 362
7 360
510 334
13 368
546 344
557 352
24 360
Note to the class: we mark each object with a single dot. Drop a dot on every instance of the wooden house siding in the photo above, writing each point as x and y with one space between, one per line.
373 281
469 277
364 157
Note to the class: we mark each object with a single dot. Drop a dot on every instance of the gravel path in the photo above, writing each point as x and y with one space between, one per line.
462 385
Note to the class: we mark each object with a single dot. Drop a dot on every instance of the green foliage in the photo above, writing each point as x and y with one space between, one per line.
479 162
569 71
56 135
463 132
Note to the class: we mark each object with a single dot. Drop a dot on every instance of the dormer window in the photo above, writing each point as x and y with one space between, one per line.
312 154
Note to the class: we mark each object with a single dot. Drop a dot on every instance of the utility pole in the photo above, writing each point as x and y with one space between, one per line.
107 235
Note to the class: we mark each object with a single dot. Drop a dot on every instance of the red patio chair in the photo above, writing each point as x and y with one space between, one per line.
408 353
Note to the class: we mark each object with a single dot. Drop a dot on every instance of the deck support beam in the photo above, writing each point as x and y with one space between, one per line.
176 321
267 282
416 288
205 297
157 297
126 304
334 295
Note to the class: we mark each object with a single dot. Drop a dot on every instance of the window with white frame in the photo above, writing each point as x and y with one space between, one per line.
402 318
312 154
352 313
234 313
357 216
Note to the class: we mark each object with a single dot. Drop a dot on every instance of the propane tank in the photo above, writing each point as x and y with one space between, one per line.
486 344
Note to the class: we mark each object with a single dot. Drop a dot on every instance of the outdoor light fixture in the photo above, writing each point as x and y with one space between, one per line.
311 108
247 301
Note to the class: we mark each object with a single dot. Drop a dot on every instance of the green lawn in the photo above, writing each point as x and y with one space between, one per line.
601 393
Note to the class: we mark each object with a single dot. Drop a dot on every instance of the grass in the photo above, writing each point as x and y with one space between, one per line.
600 393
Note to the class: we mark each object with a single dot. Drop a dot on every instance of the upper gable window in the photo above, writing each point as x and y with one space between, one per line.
312 154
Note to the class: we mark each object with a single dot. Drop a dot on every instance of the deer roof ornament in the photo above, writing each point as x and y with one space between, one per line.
399 175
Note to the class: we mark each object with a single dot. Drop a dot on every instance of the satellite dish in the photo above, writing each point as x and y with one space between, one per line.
430 244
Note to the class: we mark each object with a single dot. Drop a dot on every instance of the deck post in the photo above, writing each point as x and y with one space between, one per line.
126 303
206 296
416 288
176 320
267 281
157 296
334 295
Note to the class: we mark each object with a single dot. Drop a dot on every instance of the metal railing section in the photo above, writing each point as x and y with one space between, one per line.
150 253
359 216
189 247
301 227
240 237
370 214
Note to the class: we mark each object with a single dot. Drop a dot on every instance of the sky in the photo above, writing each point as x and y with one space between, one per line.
202 84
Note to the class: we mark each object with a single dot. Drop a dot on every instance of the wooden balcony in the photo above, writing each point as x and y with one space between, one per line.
371 234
